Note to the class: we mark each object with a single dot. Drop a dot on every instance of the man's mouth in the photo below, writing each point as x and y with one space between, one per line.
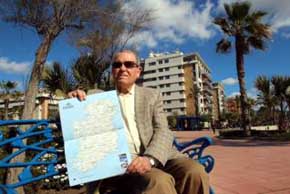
122 76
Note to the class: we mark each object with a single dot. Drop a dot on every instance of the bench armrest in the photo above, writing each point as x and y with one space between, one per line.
194 149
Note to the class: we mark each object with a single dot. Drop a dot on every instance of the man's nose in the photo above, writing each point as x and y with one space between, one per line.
123 67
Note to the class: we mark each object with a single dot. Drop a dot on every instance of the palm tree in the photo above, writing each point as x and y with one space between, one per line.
56 78
265 96
248 32
7 87
88 71
281 84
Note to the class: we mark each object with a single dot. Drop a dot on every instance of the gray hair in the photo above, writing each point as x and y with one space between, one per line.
128 51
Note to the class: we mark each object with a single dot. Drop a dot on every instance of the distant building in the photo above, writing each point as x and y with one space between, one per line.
46 107
183 79
232 104
218 100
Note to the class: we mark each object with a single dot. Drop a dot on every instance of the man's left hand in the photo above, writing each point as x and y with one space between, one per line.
140 165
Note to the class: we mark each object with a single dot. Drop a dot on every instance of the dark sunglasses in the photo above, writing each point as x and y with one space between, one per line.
127 64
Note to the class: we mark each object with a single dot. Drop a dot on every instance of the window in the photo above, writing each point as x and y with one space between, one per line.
167 77
149 72
152 63
168 93
160 70
180 83
167 85
160 78
179 67
168 110
167 69
181 100
166 61
161 86
180 92
160 61
168 101
182 109
180 75
149 79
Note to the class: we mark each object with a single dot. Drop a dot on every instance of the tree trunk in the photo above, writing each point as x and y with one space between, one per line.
245 117
38 67
6 108
29 101
281 117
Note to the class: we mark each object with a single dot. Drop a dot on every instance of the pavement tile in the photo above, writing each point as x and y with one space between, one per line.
247 166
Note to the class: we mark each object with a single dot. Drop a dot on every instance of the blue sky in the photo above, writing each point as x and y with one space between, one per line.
183 25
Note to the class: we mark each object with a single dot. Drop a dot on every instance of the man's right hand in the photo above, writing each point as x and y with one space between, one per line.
80 94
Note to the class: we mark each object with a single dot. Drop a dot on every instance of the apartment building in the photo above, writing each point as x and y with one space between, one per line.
183 79
232 104
218 100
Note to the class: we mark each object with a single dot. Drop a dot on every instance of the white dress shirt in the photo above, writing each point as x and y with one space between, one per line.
127 102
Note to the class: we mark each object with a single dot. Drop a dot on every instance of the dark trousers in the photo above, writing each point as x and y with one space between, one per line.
178 176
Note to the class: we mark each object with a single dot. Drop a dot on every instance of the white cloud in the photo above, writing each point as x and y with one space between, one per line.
233 94
252 93
13 67
286 35
175 21
278 11
230 81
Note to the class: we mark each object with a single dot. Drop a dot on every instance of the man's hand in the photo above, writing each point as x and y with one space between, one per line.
80 94
140 165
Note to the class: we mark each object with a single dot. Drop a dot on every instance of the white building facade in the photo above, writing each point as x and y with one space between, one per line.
183 80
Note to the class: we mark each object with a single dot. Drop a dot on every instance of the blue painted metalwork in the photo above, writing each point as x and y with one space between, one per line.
36 128
194 149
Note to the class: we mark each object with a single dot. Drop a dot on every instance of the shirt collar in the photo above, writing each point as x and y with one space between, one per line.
130 92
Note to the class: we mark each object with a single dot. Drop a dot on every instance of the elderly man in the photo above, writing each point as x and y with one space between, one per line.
156 167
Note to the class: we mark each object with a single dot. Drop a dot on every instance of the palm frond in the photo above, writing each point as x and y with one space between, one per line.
224 25
240 10
229 10
256 43
223 46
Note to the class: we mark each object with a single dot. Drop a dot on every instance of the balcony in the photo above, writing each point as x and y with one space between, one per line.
207 91
206 75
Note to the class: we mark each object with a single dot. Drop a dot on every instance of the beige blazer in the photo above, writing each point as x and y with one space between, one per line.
156 138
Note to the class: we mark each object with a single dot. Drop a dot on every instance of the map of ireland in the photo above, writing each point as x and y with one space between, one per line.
94 137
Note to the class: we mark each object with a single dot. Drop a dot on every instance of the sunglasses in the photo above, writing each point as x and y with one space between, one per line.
127 64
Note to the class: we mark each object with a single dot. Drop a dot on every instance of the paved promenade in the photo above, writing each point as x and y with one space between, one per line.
247 166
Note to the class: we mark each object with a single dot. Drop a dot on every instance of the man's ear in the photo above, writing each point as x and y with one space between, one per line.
140 68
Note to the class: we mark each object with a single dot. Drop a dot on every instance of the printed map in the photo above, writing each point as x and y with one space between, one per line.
94 137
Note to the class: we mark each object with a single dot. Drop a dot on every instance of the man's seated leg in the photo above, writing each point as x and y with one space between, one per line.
190 176
153 182
159 182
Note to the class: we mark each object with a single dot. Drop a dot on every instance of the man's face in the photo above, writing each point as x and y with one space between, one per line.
125 70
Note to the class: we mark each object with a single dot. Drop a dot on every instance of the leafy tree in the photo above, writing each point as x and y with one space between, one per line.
281 84
99 44
265 96
57 78
8 87
88 72
49 19
248 31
